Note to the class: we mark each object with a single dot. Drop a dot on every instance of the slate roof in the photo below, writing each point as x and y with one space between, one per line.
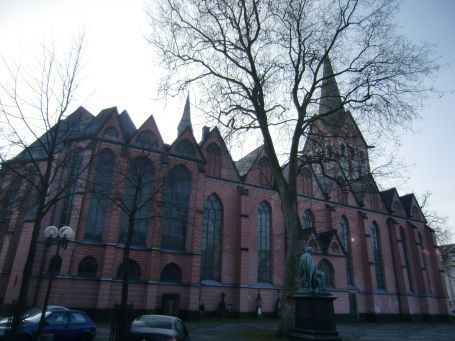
127 125
73 126
387 197
245 163
406 202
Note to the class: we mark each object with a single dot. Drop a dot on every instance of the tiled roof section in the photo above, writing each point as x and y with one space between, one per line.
387 197
244 164
325 238
406 201
127 125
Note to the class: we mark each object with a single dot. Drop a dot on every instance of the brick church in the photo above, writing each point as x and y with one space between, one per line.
214 238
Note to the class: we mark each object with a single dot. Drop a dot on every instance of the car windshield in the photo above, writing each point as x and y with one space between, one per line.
153 322
35 318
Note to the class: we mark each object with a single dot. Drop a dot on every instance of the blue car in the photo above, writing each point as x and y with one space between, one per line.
63 324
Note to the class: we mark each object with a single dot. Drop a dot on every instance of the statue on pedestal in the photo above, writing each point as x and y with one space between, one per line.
311 278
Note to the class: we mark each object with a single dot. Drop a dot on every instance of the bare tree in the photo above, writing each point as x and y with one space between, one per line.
443 232
133 192
34 102
270 66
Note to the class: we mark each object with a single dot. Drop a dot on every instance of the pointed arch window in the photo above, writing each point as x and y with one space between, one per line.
185 148
211 239
111 134
178 189
55 265
377 253
137 199
345 236
404 246
308 219
134 271
424 261
329 273
146 139
171 273
214 160
307 181
264 255
71 185
9 201
87 268
99 202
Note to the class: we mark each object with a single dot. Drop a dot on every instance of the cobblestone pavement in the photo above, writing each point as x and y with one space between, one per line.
249 329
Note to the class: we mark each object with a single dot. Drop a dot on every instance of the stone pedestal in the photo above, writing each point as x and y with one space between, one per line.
314 317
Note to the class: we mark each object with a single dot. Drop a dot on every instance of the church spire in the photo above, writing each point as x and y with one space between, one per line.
185 121
330 95
331 101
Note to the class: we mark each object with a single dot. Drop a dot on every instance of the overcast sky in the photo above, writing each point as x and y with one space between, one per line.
120 71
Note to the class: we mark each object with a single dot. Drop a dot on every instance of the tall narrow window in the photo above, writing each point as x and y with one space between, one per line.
308 219
178 189
345 236
264 254
307 181
99 202
377 253
326 267
71 185
211 239
8 203
404 245
137 197
214 160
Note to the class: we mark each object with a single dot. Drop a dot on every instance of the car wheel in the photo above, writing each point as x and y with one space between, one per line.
85 337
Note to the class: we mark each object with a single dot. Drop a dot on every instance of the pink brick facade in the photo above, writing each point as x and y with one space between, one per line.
240 192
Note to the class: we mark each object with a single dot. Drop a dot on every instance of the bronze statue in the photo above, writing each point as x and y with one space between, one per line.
310 276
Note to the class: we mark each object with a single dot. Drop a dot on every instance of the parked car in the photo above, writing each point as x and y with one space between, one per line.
158 328
34 311
64 324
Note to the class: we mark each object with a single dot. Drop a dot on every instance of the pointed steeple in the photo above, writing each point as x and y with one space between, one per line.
185 121
330 95
331 100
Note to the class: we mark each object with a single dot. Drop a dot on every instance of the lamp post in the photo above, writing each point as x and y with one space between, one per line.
62 236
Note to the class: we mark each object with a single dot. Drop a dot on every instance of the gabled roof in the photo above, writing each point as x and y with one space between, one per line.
100 120
127 125
245 163
387 197
71 127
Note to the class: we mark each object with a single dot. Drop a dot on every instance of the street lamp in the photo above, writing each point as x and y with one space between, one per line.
62 236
